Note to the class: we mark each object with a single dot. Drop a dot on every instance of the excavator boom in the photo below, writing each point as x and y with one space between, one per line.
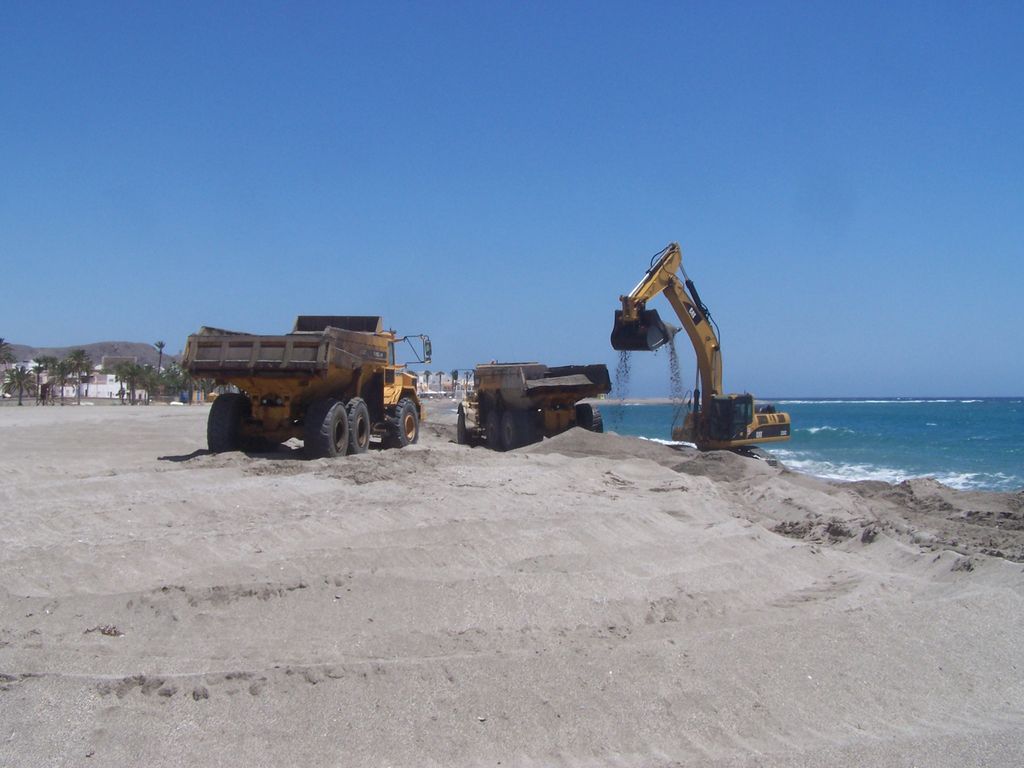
639 328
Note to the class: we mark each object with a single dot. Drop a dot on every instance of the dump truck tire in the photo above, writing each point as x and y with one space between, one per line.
588 417
358 425
492 429
406 424
461 433
511 432
224 424
529 432
326 429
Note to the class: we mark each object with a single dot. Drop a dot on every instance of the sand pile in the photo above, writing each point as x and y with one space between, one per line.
591 600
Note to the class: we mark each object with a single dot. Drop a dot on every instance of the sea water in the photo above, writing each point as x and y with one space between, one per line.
965 443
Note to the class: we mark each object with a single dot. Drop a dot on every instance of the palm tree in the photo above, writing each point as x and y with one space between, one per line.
49 364
129 374
149 379
122 374
80 363
17 378
6 353
37 369
160 360
61 373
455 380
136 378
174 379
426 376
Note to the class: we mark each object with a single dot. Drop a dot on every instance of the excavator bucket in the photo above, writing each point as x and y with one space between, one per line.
646 333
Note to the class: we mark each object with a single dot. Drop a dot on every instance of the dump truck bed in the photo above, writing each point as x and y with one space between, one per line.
560 382
534 384
219 353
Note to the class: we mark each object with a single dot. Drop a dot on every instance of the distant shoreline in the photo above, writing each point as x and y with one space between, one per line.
632 401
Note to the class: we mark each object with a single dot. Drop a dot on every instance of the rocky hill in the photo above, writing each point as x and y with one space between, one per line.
145 354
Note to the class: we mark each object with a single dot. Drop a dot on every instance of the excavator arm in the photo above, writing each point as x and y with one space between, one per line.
639 328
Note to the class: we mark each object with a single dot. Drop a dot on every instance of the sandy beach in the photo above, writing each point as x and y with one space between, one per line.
590 600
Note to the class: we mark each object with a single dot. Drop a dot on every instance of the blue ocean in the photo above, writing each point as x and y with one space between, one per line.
965 443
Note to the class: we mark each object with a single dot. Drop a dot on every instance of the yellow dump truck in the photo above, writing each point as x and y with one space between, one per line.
515 404
333 382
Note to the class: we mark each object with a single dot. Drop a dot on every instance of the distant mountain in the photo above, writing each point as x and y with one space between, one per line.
144 354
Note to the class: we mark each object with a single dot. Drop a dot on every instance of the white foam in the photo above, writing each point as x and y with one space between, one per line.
891 401
826 428
961 481
674 443
846 472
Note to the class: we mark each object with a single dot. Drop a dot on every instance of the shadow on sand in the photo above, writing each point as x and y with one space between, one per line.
277 453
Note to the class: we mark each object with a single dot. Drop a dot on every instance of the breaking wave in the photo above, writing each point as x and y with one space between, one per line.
961 481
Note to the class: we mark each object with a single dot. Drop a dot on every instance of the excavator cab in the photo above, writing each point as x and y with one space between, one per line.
730 416
646 333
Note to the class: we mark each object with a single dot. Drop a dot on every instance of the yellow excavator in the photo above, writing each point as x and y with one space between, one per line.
715 420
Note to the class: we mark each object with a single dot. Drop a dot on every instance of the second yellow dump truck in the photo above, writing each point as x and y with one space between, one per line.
333 382
515 404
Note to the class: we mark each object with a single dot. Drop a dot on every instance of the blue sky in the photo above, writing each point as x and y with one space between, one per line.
846 180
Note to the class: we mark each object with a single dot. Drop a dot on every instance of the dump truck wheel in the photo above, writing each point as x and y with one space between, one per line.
326 429
529 433
358 425
406 424
461 434
224 425
588 417
511 430
492 429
